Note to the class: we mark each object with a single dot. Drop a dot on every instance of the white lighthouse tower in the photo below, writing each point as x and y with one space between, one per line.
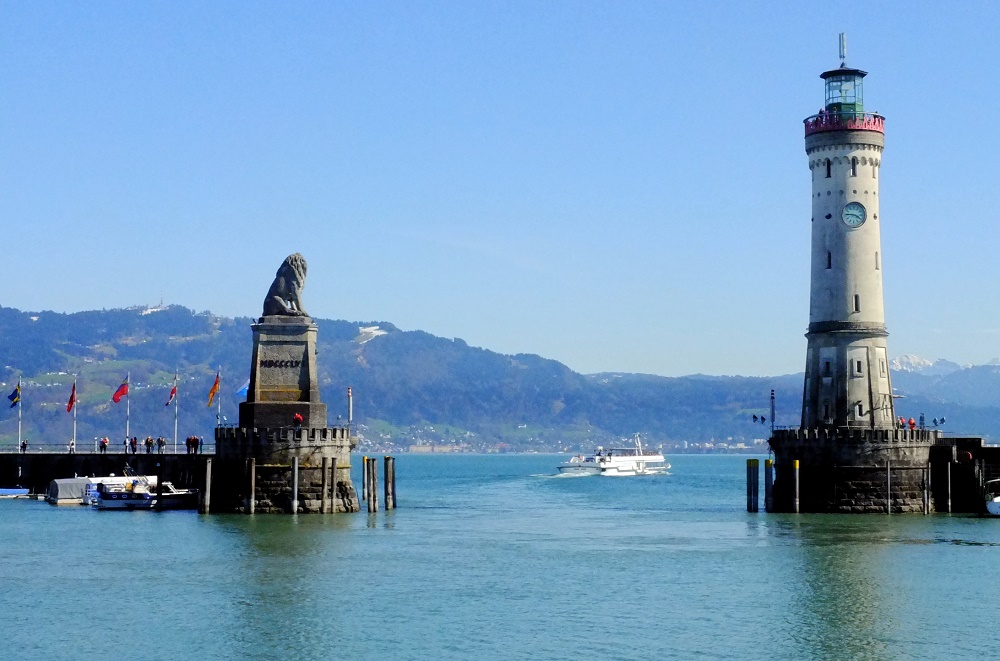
847 369
849 454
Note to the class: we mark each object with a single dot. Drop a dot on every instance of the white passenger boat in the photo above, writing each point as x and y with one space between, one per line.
617 461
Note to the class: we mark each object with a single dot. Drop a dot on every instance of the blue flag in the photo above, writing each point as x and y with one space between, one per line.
242 392
15 396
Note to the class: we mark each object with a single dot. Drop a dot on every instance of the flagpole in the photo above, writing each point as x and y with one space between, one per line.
128 404
74 411
19 394
219 395
175 414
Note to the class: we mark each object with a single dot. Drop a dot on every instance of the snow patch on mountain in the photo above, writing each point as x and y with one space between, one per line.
918 365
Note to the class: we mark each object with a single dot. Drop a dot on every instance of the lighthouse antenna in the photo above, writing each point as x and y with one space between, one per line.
843 49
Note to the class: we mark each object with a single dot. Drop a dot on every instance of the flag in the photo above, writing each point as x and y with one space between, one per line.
173 392
242 392
15 396
121 392
72 399
215 389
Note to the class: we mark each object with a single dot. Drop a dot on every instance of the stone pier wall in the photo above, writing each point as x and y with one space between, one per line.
845 470
273 451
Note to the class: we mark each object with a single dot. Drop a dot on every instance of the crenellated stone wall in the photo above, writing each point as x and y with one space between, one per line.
854 470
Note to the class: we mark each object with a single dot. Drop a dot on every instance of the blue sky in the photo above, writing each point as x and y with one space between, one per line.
620 186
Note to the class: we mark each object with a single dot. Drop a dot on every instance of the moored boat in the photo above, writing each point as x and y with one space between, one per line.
992 488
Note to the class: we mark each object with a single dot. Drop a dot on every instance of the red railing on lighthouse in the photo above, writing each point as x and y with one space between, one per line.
844 121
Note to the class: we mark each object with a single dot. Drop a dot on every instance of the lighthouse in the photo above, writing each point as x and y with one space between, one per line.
849 454
847 368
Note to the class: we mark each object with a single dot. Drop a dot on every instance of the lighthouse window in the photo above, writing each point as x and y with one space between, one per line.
861 410
857 303
828 168
876 261
854 166
826 411
826 367
881 368
829 259
857 367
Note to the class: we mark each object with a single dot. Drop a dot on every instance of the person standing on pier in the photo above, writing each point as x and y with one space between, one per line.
24 446
104 445
72 446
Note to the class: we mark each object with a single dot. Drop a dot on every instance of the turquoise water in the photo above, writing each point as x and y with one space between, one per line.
490 557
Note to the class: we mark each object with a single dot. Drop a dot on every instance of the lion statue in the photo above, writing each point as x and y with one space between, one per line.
284 296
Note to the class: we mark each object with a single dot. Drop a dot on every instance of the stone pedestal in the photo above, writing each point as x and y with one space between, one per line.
255 460
283 379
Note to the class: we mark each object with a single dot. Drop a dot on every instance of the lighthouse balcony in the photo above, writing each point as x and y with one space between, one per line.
844 121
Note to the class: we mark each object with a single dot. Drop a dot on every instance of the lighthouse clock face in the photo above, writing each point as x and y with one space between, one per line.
854 214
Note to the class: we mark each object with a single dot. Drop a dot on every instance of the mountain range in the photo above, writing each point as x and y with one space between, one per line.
410 387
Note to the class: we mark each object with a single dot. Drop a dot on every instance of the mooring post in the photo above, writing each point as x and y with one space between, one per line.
948 485
386 485
252 487
159 485
372 485
795 499
206 500
749 488
768 485
295 485
393 465
364 481
888 486
756 485
324 485
333 486
927 489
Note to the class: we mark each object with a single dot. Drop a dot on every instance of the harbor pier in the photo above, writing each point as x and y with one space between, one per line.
35 470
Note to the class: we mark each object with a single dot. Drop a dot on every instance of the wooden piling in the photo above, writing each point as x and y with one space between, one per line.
394 502
888 487
206 499
795 473
159 485
948 485
753 483
252 487
324 485
372 485
364 481
927 489
389 477
768 485
295 485
333 486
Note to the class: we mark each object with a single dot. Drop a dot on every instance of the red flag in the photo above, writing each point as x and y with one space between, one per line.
214 391
173 392
72 399
121 392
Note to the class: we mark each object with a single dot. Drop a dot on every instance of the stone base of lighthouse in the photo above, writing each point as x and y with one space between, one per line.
854 470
